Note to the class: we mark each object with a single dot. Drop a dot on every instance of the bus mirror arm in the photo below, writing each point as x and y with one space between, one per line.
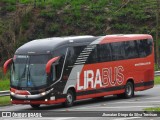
6 65
49 64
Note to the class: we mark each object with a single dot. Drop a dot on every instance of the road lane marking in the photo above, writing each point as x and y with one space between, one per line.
130 102
137 102
95 106
118 107
153 98
130 118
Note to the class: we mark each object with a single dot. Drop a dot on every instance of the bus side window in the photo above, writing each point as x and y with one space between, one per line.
58 67
73 54
53 71
104 52
149 47
118 52
131 50
93 58
144 47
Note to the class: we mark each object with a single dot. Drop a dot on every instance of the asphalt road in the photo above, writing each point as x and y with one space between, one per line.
85 108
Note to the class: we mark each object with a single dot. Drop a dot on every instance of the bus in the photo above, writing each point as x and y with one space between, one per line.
65 69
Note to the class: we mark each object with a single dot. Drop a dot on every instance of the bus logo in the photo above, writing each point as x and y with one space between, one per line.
102 77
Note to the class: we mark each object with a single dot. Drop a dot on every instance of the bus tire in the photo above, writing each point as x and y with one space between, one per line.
69 99
129 90
35 106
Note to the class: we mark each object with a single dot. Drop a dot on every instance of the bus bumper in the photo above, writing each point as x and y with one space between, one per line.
61 100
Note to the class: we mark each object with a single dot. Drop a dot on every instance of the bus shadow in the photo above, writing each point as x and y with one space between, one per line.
114 98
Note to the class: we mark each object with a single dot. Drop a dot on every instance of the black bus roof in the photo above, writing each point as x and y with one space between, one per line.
46 45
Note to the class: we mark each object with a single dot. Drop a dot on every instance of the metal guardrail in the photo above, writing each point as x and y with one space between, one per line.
4 93
7 93
157 73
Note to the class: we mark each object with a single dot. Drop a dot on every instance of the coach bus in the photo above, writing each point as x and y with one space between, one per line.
66 69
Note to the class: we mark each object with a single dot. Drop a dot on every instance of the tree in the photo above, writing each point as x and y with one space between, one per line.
157 32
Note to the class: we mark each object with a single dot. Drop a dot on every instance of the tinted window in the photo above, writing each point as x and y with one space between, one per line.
144 47
118 51
104 52
73 54
92 51
131 49
60 52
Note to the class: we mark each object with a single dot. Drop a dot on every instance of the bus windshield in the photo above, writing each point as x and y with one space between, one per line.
29 71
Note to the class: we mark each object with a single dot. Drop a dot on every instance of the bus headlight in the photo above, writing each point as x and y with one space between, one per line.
44 93
12 93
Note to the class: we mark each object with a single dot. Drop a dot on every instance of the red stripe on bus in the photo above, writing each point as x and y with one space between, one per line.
20 92
114 38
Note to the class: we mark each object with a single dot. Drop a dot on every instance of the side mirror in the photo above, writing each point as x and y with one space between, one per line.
7 65
49 64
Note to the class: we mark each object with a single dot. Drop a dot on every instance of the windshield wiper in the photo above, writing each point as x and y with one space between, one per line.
29 80
22 76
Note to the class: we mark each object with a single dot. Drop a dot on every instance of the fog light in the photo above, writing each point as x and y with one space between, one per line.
52 98
46 100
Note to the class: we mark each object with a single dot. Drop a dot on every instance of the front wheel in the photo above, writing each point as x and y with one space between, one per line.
129 90
69 99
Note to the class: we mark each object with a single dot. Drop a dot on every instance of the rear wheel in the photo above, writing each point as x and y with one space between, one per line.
129 90
69 98
35 106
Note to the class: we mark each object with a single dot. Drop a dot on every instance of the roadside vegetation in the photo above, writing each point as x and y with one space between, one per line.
157 80
152 109
5 100
25 20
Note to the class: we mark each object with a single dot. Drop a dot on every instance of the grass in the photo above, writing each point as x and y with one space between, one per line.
5 100
152 109
157 80
4 85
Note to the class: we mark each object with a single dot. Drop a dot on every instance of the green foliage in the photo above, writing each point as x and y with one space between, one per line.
9 8
151 109
5 100
4 85
53 28
25 21
156 68
72 17
157 80
47 14
4 81
57 4
26 1
11 2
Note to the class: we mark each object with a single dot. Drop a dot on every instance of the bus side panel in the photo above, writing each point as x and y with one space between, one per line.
109 78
